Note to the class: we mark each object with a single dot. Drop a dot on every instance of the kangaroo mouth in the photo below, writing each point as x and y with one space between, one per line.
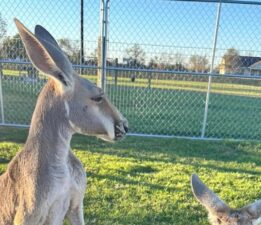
120 131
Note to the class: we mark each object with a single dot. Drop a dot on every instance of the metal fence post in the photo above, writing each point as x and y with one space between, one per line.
103 45
82 36
116 72
1 97
211 70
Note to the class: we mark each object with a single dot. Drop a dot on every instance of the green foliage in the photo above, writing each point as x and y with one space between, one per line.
71 49
146 181
2 27
199 63
13 48
231 60
135 55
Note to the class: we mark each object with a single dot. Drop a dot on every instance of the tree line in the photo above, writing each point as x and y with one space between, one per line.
11 48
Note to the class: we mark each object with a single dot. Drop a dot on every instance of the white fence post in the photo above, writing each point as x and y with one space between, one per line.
1 98
211 70
104 7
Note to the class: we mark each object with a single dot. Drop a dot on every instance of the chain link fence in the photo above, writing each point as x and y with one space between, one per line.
174 68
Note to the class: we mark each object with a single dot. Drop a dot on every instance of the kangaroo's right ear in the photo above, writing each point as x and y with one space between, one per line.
207 197
46 57
41 33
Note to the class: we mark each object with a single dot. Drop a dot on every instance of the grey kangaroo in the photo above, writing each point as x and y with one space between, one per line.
219 212
45 183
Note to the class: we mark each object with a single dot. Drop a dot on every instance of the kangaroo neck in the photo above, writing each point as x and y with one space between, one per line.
49 133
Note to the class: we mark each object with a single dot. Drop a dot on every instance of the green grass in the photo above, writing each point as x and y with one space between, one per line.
170 84
175 107
146 181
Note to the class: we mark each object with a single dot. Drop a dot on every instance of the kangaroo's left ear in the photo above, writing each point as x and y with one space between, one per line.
47 57
207 197
254 210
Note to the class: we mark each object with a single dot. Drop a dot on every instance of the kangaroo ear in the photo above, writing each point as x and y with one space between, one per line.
254 210
41 33
207 197
46 57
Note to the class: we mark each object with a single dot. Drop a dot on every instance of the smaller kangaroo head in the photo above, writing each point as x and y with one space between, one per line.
88 109
219 212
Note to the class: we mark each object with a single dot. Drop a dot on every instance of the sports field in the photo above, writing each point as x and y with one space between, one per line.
159 105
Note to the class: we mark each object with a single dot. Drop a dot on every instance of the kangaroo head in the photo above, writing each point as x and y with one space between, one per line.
219 212
89 110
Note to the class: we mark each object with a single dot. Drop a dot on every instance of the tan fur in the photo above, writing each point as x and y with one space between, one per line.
219 212
45 182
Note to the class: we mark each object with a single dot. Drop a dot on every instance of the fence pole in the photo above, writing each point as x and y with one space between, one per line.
99 48
211 70
116 72
1 97
82 36
105 41
103 46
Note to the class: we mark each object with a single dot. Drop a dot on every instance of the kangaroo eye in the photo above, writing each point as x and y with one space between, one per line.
97 99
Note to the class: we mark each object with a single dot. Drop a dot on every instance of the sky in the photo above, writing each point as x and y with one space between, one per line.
159 26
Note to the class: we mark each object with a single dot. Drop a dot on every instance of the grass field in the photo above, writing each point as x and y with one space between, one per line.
145 181
167 107
199 86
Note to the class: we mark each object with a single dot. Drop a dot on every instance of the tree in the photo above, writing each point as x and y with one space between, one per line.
70 49
135 55
94 57
179 62
2 34
167 62
198 63
153 63
13 48
2 27
230 61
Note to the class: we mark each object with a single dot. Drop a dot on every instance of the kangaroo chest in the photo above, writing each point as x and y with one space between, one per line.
66 182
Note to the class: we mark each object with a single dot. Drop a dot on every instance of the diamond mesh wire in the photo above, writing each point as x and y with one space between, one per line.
157 103
20 91
158 61
21 82
235 109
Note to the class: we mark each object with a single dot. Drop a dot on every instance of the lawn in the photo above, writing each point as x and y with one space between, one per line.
167 107
170 84
146 181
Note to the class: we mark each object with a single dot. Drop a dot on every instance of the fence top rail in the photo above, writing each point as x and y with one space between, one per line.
221 1
29 63
111 68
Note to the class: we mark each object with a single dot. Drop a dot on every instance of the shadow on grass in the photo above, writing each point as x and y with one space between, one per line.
225 169
131 182
170 150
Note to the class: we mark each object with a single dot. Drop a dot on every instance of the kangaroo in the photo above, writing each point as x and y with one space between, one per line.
219 212
45 183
